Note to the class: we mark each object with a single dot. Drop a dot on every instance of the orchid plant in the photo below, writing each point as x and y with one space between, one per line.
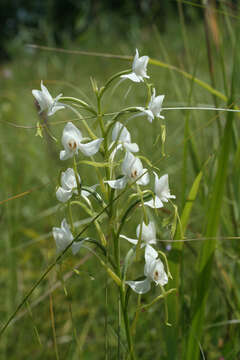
125 174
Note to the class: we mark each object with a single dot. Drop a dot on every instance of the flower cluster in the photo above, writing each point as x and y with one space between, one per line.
132 171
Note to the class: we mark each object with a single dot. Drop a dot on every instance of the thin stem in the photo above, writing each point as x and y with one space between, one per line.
53 327
90 132
126 324
109 81
76 175
199 108
78 101
70 217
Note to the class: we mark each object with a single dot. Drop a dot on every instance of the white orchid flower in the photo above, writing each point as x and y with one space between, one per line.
148 237
162 192
68 185
154 107
139 68
63 237
153 270
46 101
132 169
121 135
72 142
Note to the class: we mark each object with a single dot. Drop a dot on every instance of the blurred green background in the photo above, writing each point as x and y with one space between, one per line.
196 37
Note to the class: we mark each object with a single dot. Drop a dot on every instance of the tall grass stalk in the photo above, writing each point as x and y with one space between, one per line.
206 257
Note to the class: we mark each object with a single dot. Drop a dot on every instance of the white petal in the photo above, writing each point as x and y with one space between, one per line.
127 163
72 131
144 179
161 184
140 287
91 148
66 228
136 57
132 76
64 155
150 115
150 252
120 133
155 203
76 247
155 105
71 139
132 147
148 232
117 184
132 241
68 179
162 278
40 99
63 195
62 236
46 93
55 108
162 188
140 66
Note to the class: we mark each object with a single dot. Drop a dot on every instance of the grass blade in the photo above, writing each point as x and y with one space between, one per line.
175 264
205 261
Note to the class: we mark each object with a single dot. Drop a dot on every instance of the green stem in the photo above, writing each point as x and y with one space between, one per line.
122 112
110 80
70 217
90 132
76 175
78 101
126 324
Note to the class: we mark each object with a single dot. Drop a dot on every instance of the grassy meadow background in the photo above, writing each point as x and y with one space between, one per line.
56 325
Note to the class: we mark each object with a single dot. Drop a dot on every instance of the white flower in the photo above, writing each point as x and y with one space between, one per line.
63 237
139 68
121 135
162 192
46 101
72 142
68 185
132 169
154 107
154 271
148 236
